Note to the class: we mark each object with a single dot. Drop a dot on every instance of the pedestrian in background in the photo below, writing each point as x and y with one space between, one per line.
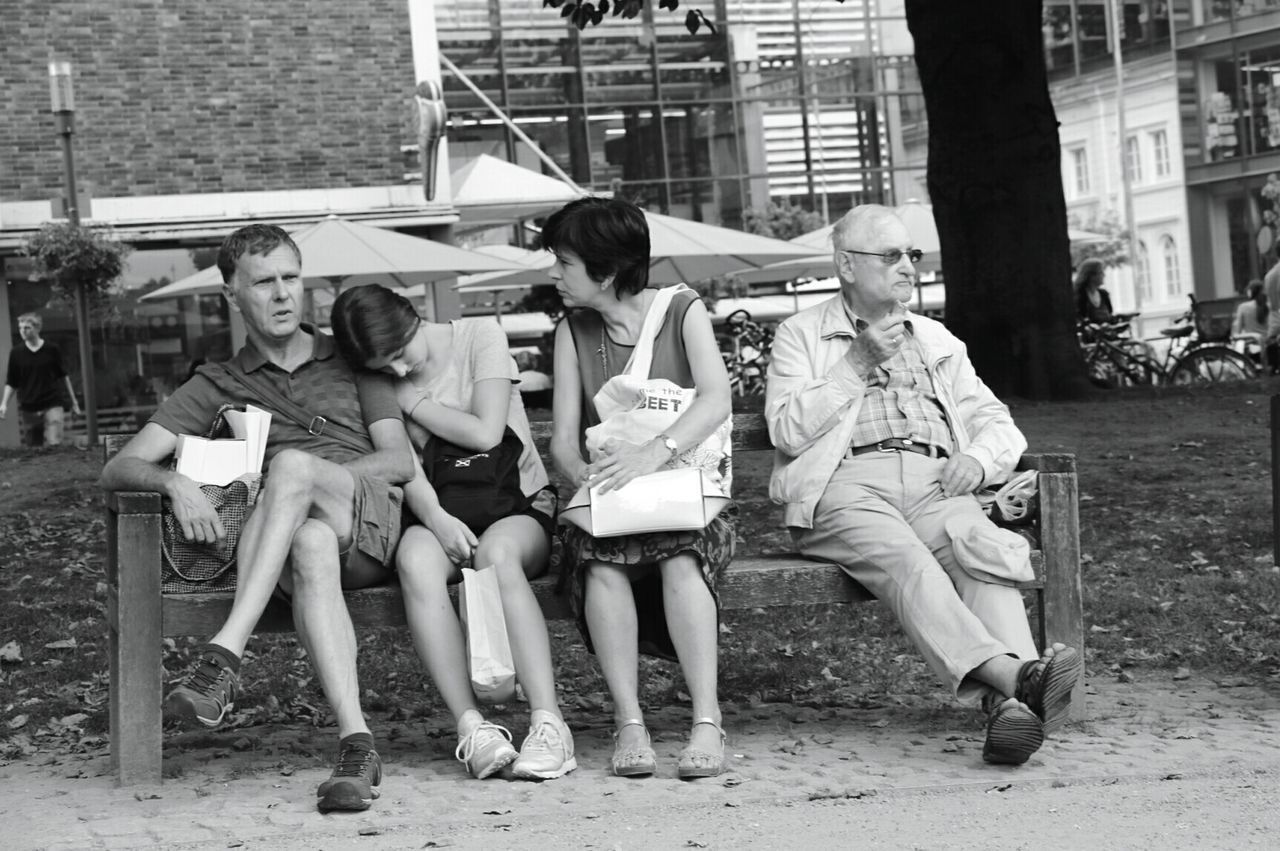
36 374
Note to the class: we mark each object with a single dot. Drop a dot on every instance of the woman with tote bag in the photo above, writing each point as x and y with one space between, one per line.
652 592
482 500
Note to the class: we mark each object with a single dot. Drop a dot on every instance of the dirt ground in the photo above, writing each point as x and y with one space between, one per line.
1158 763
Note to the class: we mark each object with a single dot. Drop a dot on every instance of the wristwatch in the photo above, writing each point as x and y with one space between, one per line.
670 444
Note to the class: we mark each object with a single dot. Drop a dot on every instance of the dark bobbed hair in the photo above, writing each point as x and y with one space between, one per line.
609 235
371 322
1090 270
1258 295
252 239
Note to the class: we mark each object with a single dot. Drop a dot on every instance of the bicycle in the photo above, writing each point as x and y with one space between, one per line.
746 350
1193 353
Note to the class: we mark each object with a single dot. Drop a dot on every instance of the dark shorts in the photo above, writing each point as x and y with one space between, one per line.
543 508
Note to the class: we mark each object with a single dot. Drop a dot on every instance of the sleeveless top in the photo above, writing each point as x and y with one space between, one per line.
670 360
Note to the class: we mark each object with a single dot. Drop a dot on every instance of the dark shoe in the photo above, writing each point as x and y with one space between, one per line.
354 782
206 694
1045 684
1014 733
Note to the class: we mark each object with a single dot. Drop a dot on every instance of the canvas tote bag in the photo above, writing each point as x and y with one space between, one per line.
635 408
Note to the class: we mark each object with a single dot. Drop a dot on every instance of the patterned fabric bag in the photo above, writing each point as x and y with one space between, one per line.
187 566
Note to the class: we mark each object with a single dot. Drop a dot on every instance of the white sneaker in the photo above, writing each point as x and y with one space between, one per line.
547 751
485 750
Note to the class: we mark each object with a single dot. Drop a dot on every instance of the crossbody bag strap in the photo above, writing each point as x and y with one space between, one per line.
642 355
316 425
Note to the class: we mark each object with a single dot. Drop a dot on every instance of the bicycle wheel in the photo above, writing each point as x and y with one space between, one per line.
1212 363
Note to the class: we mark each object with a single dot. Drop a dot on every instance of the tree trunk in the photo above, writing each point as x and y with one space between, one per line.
995 182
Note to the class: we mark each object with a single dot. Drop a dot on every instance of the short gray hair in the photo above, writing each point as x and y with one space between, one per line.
857 222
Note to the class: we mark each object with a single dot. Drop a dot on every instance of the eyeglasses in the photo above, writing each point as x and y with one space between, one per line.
890 257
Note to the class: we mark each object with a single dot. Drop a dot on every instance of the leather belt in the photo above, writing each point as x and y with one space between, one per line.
898 444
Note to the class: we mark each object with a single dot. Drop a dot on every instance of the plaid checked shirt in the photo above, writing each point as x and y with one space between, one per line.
900 401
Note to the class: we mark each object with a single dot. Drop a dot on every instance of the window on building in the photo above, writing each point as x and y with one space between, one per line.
1142 273
1160 153
1080 171
1133 159
1172 269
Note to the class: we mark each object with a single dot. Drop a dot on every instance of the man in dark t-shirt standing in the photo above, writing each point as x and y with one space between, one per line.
36 374
328 516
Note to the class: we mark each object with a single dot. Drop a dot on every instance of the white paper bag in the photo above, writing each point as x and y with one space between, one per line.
493 673
676 500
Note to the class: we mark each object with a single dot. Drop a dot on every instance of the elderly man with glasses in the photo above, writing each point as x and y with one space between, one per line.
884 431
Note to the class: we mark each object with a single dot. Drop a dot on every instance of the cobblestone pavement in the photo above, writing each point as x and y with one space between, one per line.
1201 759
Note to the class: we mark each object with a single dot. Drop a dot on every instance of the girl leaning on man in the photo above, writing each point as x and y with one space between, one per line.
653 593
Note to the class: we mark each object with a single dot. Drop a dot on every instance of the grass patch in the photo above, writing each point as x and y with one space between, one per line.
1178 572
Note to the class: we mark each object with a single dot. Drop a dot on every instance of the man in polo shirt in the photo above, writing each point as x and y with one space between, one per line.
328 516
883 433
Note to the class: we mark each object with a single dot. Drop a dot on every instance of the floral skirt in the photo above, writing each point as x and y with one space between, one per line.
712 546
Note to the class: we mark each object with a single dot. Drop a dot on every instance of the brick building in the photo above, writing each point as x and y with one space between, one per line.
193 117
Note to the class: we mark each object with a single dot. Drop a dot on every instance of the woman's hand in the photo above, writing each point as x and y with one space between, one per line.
458 542
623 462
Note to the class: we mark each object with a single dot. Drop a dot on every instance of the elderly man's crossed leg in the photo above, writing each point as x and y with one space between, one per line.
882 518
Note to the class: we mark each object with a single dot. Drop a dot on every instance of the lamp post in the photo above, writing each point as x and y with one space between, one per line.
63 105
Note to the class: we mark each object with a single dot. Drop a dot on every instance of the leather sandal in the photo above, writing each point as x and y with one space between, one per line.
632 761
1045 685
695 762
1014 733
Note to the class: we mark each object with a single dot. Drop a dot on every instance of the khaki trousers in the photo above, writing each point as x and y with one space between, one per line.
882 520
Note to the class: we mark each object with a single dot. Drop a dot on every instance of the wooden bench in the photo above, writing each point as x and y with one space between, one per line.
140 616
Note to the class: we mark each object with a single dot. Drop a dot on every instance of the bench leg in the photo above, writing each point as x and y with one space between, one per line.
1063 612
134 626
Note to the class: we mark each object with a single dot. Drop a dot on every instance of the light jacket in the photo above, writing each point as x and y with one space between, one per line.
813 395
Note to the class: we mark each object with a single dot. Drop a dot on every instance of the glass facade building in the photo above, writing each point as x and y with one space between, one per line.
778 104
1223 57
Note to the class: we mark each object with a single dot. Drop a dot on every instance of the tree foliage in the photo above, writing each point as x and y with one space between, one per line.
1113 251
71 256
782 221
586 13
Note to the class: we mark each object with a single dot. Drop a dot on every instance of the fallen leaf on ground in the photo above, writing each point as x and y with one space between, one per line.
1182 674
17 722
64 644
11 652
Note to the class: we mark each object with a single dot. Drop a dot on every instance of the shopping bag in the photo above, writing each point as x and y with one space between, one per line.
682 499
635 408
489 663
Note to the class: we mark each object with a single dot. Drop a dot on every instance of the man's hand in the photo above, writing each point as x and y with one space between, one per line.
75 408
195 514
961 474
876 343
458 542
4 409
623 462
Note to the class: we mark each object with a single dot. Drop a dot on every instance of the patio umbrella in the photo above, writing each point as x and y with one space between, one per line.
337 252
681 252
535 263
685 251
493 191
